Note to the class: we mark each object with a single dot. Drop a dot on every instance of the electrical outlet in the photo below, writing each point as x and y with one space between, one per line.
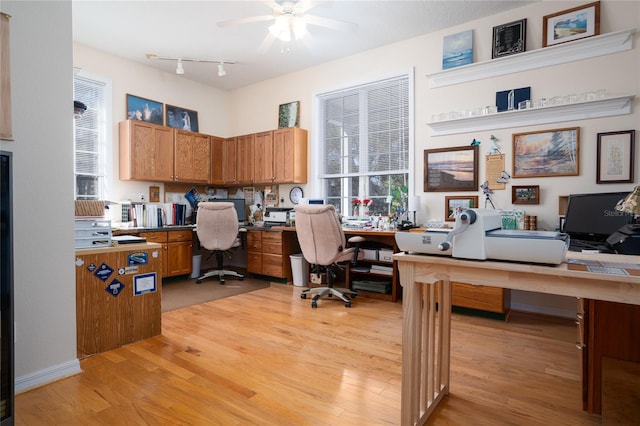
141 196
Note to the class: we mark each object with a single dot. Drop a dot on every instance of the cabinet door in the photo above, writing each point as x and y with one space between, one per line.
290 155
179 258
263 158
217 160
192 157
229 167
146 151
244 156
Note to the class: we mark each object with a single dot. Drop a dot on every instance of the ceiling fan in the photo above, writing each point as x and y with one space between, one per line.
291 20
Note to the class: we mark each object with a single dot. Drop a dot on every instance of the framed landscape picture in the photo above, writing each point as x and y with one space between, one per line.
509 39
525 194
457 50
546 153
142 109
571 24
451 169
181 118
454 205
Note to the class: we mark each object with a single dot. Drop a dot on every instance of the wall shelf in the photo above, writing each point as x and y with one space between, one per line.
610 106
590 47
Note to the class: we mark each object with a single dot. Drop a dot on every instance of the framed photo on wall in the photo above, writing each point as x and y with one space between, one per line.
181 118
615 153
571 24
529 194
546 153
289 115
142 109
451 169
454 205
509 39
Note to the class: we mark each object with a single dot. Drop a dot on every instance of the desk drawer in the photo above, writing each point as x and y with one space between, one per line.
272 237
254 262
272 265
154 237
272 247
175 236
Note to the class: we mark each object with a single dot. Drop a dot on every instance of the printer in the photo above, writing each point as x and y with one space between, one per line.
478 234
278 216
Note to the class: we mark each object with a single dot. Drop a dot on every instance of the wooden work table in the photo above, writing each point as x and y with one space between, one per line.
426 327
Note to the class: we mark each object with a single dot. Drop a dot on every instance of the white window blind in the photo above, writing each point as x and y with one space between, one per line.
366 142
91 135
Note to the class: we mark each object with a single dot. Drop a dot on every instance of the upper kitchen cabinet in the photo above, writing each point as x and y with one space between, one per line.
263 158
223 161
192 157
290 155
146 151
244 159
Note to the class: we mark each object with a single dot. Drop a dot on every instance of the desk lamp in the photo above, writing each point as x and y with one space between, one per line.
626 240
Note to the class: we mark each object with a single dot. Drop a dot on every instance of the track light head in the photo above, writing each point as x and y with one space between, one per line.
221 71
179 68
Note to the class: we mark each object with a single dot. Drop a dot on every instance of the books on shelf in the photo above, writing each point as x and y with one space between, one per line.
381 269
360 268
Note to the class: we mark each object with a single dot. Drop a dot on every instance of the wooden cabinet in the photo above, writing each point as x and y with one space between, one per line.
162 154
146 151
290 155
192 157
268 253
489 299
109 313
263 160
610 330
223 161
244 159
178 250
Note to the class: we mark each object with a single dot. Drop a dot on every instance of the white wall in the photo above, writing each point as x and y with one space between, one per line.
128 77
42 93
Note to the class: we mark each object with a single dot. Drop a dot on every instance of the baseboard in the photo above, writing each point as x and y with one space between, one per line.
546 310
47 375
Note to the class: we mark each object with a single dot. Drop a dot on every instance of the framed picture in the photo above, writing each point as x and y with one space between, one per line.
546 153
454 205
571 24
525 194
180 118
510 38
615 157
289 115
142 109
451 169
457 50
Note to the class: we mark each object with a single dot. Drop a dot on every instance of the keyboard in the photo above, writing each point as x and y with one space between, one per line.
579 245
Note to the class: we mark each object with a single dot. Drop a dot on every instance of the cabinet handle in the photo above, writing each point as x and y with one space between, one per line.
579 316
580 345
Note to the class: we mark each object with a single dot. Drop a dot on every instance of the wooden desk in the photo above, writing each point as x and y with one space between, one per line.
426 330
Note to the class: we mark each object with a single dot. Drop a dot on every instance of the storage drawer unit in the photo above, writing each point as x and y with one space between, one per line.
268 252
178 250
92 233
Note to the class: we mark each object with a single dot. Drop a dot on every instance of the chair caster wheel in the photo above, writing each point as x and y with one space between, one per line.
347 304
303 295
314 304
198 281
241 279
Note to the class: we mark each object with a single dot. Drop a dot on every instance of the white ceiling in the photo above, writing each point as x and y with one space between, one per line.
131 29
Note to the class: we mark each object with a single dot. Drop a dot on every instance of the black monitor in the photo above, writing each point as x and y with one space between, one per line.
238 203
593 217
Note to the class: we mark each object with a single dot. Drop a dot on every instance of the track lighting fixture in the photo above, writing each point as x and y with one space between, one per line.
180 61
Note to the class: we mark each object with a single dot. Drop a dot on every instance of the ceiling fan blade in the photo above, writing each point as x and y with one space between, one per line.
245 20
266 43
331 23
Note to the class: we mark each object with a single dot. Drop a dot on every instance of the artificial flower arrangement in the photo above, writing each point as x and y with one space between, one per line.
365 202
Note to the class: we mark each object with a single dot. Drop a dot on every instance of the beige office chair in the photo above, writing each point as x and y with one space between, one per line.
324 246
217 229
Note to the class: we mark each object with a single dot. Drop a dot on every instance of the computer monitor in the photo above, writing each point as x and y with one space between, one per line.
238 203
593 217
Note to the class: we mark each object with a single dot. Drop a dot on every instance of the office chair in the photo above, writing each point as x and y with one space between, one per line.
324 246
217 229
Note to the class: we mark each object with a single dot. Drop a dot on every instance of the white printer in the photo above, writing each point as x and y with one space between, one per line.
477 234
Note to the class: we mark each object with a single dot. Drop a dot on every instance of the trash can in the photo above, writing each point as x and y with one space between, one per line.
196 260
299 270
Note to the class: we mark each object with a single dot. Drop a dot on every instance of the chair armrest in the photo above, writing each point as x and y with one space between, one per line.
356 239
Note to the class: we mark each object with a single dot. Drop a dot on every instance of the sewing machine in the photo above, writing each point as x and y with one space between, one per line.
478 234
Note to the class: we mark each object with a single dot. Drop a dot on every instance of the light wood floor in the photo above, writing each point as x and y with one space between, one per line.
268 358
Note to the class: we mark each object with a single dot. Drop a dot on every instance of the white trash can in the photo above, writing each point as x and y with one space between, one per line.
196 261
299 270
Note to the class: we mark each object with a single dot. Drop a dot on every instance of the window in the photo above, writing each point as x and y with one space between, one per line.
366 142
92 138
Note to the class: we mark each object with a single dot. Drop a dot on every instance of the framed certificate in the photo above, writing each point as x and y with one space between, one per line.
510 38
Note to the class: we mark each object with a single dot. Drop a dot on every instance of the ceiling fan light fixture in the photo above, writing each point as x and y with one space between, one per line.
299 26
179 68
221 71
281 29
